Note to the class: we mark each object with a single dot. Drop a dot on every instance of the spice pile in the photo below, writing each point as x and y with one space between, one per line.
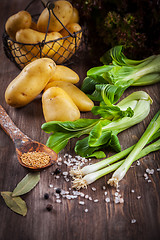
107 196
35 159
85 199
71 194
61 193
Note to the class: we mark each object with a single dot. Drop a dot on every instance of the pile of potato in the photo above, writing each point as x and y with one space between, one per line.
61 99
22 29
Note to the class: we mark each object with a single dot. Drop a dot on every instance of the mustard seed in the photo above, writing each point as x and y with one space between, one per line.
35 159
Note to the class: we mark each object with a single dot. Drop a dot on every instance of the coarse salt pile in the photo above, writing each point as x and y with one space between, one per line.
70 194
147 173
133 221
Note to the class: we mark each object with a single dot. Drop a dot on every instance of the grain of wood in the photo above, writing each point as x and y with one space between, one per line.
68 220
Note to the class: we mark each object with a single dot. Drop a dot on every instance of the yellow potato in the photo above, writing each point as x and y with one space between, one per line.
33 25
72 27
68 48
30 36
21 57
30 82
82 101
20 20
58 106
65 74
75 16
63 10
52 48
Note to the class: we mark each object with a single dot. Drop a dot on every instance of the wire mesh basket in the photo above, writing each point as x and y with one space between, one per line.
60 50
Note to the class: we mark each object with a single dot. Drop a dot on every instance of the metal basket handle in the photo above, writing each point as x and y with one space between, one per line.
47 4
50 5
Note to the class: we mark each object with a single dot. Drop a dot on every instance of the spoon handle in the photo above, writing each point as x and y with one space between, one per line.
10 128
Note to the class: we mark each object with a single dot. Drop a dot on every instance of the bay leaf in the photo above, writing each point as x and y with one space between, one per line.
26 184
16 204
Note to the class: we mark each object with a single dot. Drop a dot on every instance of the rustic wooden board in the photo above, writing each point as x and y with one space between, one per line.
68 219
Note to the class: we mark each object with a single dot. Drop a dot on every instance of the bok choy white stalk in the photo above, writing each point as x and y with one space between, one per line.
105 132
102 132
118 73
82 182
122 170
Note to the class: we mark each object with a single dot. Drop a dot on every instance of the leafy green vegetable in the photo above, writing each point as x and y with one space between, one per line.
101 132
83 149
116 56
119 75
113 112
98 154
63 131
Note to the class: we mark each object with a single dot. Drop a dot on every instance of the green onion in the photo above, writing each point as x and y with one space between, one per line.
150 131
82 182
114 158
92 177
99 165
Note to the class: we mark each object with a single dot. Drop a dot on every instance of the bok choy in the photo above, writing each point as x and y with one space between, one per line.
118 73
101 132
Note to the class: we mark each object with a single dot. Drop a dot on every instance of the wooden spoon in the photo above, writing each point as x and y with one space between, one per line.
22 142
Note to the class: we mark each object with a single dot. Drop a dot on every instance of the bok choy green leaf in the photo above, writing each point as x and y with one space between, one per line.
101 132
120 73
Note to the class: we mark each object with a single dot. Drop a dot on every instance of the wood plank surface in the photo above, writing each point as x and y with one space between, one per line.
68 220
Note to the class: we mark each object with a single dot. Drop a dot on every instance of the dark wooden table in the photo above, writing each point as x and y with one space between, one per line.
68 220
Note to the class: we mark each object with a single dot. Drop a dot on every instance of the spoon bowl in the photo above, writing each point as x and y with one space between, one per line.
23 143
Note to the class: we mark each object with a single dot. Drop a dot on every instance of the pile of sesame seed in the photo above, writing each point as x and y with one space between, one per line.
35 159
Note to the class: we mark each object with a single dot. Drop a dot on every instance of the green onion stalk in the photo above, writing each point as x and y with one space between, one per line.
91 173
114 158
152 128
